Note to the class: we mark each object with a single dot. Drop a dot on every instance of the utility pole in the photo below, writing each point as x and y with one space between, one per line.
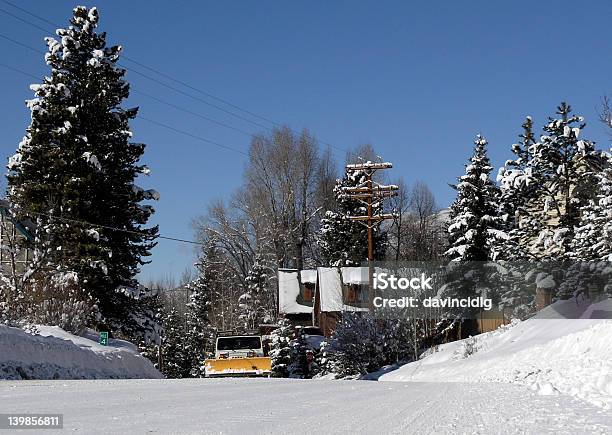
370 193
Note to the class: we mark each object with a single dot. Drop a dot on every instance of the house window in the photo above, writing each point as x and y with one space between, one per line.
309 289
354 293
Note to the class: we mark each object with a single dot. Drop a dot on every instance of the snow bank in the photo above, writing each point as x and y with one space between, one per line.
549 355
56 354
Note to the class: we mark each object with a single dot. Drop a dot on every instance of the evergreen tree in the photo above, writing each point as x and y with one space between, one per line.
515 195
254 304
219 277
474 231
474 224
300 366
548 187
559 163
152 314
561 167
281 349
200 333
176 355
363 344
593 239
591 248
76 164
519 223
344 242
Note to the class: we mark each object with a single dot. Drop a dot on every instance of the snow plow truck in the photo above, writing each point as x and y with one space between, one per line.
238 355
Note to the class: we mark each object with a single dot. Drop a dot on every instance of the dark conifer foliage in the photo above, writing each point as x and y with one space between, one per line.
76 164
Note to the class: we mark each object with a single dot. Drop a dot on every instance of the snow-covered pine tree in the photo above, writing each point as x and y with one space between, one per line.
515 195
200 333
344 242
474 231
474 223
519 223
216 270
76 164
562 168
591 248
281 349
300 365
176 354
254 304
593 238
151 309
355 348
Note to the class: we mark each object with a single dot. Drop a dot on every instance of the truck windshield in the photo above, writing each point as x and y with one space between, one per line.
236 343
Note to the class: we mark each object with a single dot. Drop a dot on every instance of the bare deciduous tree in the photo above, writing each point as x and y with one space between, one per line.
274 214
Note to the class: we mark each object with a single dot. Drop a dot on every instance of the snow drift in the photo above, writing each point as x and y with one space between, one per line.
56 354
549 355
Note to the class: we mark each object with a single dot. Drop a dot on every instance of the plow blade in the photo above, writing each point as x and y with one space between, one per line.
257 366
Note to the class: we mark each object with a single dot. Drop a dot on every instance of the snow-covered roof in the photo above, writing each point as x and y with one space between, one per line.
355 275
288 292
330 286
309 276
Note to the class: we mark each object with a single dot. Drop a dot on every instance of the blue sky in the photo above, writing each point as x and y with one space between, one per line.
416 79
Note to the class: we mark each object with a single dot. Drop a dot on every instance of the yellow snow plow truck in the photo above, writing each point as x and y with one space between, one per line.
238 355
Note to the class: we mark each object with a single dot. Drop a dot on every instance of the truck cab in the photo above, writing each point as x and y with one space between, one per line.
239 346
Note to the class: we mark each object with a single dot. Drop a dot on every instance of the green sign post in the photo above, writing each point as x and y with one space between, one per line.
104 338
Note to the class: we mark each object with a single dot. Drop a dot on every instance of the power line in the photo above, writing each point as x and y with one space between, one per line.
200 138
140 73
154 70
123 230
154 98
169 77
209 95
152 121
186 133
17 17
31 13
14 41
191 112
19 71
187 94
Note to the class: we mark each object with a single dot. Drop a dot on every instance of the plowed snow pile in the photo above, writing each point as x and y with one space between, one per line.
549 355
55 354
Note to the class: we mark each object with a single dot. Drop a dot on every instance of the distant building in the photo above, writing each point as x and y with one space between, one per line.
15 241
319 297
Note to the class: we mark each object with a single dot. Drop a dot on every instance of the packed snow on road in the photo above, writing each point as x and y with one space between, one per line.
300 406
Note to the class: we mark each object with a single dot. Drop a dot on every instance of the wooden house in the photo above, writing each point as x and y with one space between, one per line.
339 290
296 293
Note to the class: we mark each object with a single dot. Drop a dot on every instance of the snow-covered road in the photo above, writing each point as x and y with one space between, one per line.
294 406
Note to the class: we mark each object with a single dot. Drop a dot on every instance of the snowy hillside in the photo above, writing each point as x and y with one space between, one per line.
56 354
549 355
